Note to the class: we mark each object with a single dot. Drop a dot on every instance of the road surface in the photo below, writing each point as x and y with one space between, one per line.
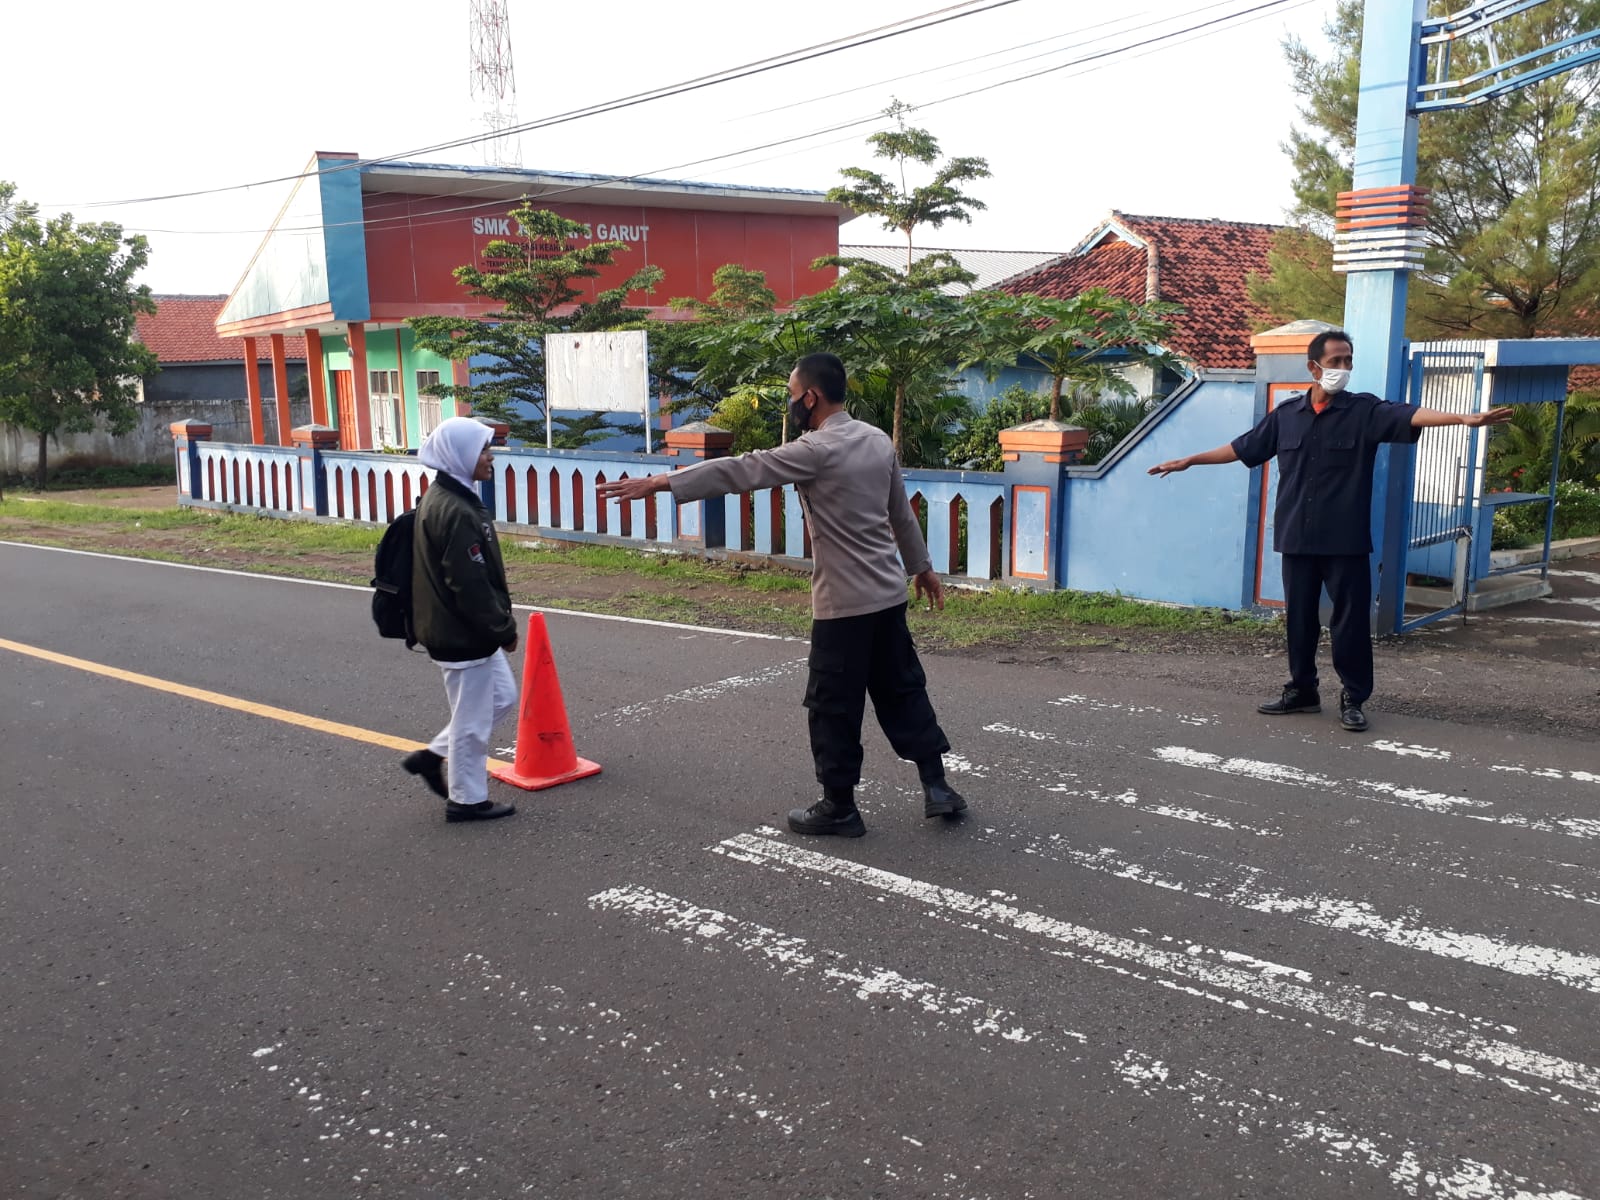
1175 950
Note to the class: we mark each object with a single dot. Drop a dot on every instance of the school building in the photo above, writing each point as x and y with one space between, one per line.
360 247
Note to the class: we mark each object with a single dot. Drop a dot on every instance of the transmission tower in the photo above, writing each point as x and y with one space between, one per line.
494 82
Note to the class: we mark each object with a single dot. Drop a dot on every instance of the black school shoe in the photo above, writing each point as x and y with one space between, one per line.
486 810
1350 714
430 766
1293 700
939 799
840 818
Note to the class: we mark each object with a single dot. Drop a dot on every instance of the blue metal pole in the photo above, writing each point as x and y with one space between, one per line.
1375 300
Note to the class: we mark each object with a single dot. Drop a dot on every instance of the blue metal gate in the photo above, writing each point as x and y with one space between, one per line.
1445 482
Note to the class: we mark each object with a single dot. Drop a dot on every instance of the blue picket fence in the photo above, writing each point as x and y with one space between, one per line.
1044 522
551 493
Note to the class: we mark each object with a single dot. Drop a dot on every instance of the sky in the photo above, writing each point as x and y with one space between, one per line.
182 95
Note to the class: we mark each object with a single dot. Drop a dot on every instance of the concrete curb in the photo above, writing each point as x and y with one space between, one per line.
1566 548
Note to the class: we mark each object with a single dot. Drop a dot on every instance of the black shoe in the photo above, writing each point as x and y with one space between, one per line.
485 810
841 818
939 799
1293 700
1350 714
430 766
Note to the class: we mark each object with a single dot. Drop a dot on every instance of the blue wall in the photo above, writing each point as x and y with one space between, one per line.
1185 538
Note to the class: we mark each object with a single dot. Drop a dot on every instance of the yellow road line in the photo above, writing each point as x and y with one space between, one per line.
353 732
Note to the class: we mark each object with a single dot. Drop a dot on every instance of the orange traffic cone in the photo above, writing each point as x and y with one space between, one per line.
545 756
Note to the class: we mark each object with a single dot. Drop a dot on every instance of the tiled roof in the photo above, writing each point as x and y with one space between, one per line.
1584 377
1200 264
183 329
990 266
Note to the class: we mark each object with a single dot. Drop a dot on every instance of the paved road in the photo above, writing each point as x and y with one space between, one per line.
1176 950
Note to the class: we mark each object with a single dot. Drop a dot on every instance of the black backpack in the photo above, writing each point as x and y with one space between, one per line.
391 582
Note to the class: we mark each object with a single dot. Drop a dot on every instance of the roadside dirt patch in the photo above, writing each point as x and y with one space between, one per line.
1513 670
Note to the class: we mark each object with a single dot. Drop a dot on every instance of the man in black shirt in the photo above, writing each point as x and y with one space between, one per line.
1325 441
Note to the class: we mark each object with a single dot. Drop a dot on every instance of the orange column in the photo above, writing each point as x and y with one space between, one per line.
359 382
252 391
400 369
317 375
280 388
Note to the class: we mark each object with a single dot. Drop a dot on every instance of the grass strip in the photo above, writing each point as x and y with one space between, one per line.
605 579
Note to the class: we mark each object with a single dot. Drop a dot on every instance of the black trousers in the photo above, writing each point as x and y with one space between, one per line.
1348 578
852 658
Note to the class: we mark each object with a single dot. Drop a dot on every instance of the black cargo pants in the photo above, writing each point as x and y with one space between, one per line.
852 658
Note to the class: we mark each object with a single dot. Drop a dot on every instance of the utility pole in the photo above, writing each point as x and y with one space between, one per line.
1382 230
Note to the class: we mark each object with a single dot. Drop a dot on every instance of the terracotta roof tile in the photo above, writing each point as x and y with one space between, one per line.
1200 264
1584 377
183 329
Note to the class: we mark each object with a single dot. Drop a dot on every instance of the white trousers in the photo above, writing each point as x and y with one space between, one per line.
481 695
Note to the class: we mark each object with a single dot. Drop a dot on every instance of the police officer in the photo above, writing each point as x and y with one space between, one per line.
1325 441
859 517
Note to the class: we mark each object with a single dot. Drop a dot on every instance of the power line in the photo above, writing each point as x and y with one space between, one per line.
914 24
1148 45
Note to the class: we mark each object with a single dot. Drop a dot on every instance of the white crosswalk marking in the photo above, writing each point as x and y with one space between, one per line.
1194 973
713 929
1430 818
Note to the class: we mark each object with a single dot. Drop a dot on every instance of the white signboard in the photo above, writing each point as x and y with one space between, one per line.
597 372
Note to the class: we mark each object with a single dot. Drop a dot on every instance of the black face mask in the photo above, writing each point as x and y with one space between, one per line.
799 415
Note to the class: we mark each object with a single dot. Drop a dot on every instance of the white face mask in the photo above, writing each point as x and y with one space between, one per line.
1333 380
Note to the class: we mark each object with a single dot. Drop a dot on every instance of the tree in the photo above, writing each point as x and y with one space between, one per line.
899 348
896 202
677 362
909 339
1078 339
736 293
533 281
1515 189
68 302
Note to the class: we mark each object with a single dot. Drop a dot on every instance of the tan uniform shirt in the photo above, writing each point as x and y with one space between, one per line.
855 505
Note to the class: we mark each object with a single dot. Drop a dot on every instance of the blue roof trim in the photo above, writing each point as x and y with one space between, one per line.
580 177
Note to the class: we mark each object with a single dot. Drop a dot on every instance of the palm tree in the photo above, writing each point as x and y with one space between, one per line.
1521 452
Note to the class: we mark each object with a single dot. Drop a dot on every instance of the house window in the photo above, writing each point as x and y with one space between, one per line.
430 409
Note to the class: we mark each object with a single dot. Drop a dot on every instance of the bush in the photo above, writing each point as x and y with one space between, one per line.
1577 515
977 442
86 471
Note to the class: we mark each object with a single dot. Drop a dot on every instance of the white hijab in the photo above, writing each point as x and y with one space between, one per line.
454 448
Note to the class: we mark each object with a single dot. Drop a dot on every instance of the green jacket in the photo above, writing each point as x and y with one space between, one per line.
459 599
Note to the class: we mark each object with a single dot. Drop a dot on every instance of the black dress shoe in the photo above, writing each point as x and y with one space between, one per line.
939 799
841 818
430 766
1293 700
1350 714
486 810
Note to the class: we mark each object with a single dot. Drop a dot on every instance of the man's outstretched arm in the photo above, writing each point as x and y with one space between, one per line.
1429 418
1222 454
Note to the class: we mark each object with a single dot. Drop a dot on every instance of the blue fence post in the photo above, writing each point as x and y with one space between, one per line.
312 440
1037 456
186 438
703 521
487 487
